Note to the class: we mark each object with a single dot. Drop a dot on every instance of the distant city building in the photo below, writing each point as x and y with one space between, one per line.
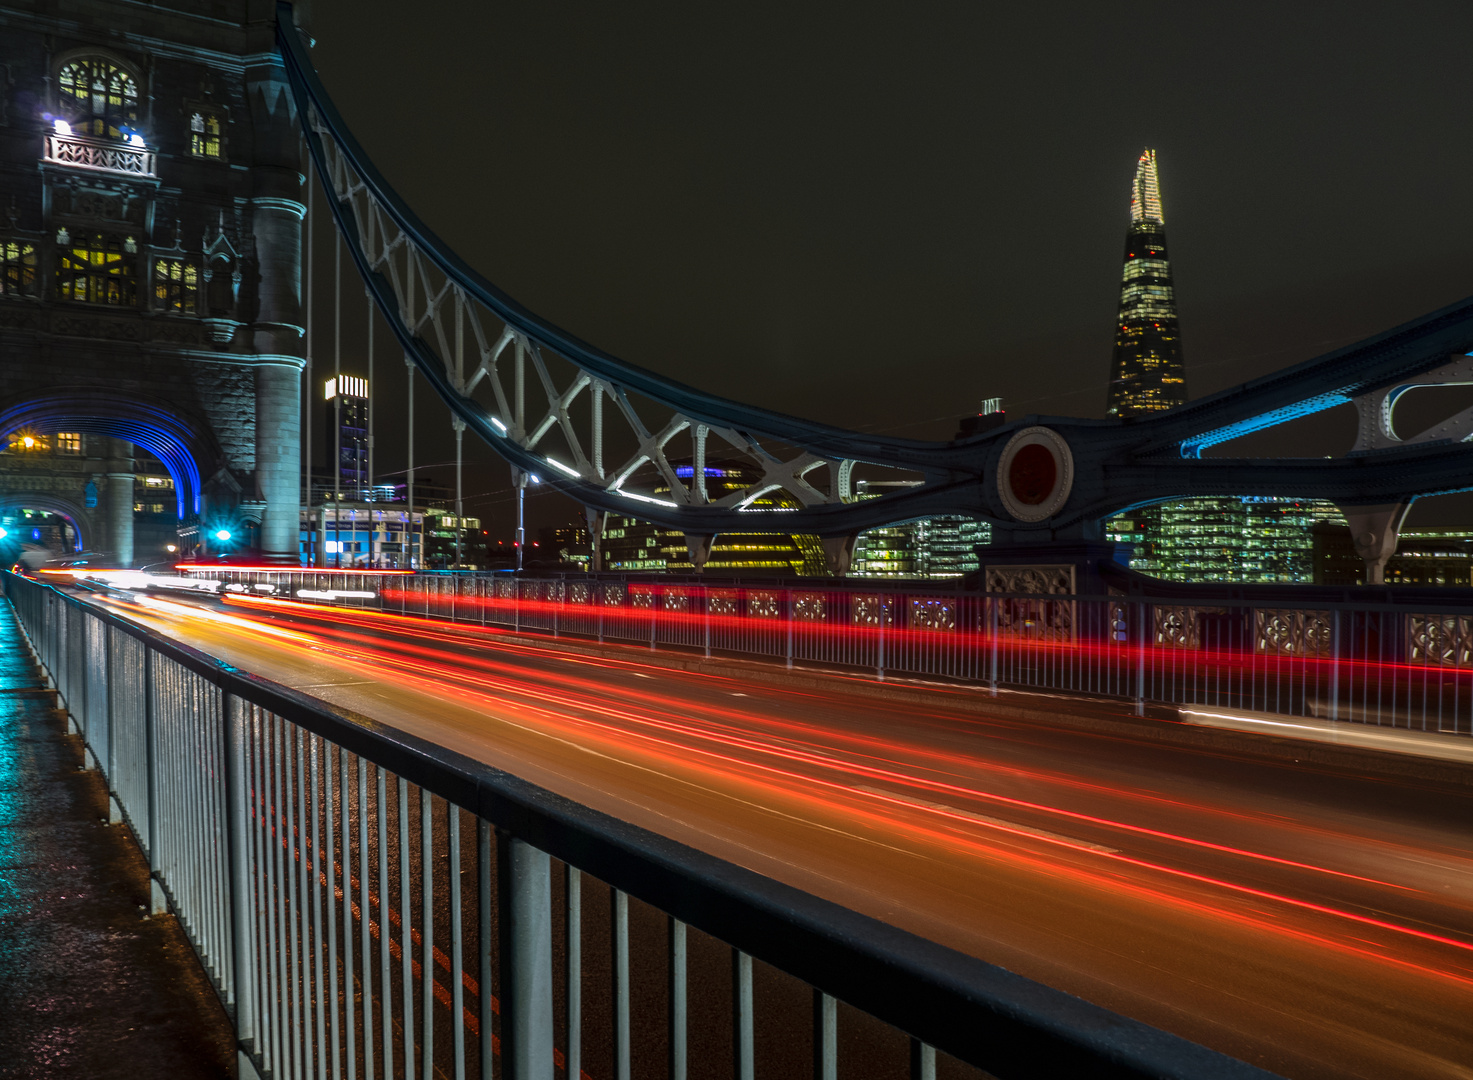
1425 557
938 547
347 434
1146 373
631 544
991 415
1240 539
564 546
364 535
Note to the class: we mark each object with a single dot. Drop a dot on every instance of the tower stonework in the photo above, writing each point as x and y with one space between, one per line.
1146 372
151 208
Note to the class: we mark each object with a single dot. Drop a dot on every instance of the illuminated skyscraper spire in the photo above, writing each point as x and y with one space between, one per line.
1146 373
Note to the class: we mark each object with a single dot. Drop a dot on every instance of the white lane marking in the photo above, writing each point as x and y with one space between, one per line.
983 819
737 693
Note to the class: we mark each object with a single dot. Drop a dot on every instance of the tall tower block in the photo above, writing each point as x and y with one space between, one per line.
1146 373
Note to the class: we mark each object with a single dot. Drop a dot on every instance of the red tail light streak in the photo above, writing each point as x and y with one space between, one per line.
826 773
921 790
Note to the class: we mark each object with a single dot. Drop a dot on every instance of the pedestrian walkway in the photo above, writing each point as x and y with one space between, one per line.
90 986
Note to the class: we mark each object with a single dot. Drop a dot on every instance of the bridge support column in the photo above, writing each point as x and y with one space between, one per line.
838 552
277 338
596 523
279 459
699 547
120 502
1375 530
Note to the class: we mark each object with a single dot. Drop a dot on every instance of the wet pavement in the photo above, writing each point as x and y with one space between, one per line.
90 985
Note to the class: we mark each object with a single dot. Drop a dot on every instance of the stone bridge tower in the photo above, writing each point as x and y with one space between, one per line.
151 207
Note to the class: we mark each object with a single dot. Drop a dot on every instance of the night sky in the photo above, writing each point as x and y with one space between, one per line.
875 215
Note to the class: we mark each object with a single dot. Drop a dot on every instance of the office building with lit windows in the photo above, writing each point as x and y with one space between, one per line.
937 547
1240 539
1146 373
631 544
346 429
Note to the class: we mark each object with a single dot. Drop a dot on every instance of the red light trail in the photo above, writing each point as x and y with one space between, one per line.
1361 895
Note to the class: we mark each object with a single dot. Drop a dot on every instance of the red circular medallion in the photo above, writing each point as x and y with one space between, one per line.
1032 474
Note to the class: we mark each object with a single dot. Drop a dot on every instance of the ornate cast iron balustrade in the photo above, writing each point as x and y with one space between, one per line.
100 155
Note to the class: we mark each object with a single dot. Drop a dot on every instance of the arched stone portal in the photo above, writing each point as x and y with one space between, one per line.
12 504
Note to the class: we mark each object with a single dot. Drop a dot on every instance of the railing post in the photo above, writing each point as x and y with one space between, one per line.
706 616
1335 618
825 1037
880 623
676 991
620 989
743 1042
517 605
992 621
524 889
151 767
1143 638
788 609
108 702
922 1060
235 714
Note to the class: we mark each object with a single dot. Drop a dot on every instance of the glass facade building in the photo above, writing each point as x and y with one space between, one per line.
631 544
1146 373
938 547
347 433
1245 539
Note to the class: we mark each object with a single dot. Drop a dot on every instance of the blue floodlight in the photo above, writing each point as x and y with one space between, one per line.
3 532
222 534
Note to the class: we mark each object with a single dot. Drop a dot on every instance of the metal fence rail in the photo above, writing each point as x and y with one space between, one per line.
1405 664
369 904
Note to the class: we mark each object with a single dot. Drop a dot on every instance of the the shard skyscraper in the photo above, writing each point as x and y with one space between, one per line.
1146 373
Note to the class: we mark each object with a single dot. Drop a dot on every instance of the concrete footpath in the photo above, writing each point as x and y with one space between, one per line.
90 985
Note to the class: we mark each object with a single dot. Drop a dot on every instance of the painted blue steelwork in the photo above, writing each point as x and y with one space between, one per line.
1115 463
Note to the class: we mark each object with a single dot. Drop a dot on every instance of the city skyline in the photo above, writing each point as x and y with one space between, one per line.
963 223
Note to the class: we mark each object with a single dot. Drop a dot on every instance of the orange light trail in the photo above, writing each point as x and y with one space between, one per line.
653 723
796 783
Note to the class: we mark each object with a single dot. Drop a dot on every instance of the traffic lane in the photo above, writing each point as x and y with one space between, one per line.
1314 892
1280 989
1434 866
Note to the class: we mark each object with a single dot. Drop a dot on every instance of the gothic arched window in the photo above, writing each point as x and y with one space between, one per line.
97 268
97 97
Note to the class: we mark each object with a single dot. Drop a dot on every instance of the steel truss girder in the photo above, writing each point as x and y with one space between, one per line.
1117 464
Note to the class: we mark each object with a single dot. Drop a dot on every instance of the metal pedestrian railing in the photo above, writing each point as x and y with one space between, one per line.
369 904
1400 660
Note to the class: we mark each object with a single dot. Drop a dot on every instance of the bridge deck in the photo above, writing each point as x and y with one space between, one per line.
89 986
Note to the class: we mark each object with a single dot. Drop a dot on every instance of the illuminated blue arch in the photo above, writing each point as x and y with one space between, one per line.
51 504
180 445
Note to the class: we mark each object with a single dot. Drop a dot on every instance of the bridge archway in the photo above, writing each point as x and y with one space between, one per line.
182 444
12 504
